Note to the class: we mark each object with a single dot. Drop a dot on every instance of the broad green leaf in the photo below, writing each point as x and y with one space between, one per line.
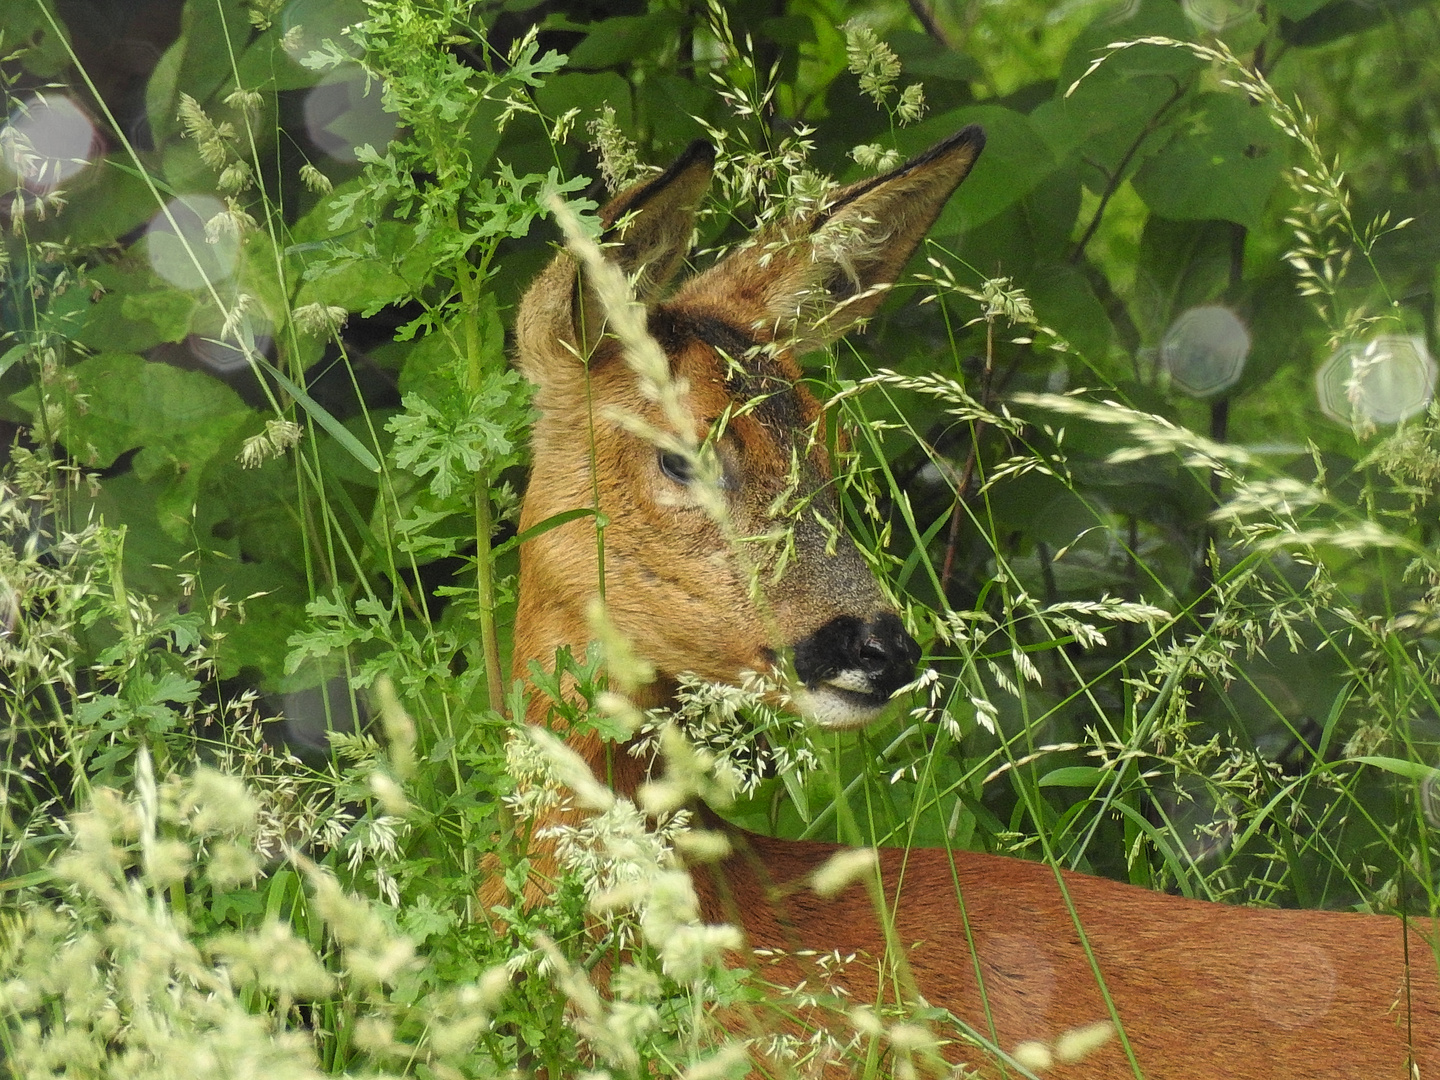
1074 776
11 357
1278 318
1295 9
615 41
107 200
1181 264
203 64
1108 122
1223 165
35 23
1340 19
180 417
589 94
162 98
134 320
669 104
1014 161
1065 301
1149 18
363 269
179 421
1108 127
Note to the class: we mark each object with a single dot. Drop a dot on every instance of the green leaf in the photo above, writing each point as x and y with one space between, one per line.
799 798
201 65
1411 770
12 356
669 104
1065 301
1150 18
1108 128
1108 122
1016 158
46 54
137 311
162 99
167 310
1295 9
459 437
317 412
182 417
554 521
615 41
588 93
1181 264
1074 776
112 201
1224 165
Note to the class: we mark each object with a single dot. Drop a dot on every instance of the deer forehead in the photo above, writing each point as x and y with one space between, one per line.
770 418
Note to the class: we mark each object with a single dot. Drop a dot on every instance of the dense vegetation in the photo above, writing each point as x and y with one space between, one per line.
1143 446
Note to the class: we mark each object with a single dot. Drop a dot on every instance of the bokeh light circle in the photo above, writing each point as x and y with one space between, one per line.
345 111
47 140
1205 350
1382 381
223 352
1217 15
307 24
180 249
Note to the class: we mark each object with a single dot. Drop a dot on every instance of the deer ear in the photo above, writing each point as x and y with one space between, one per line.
648 226
647 229
811 280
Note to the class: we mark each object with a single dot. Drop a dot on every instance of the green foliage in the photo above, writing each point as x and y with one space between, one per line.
269 444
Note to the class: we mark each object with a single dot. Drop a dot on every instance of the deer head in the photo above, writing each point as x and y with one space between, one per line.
681 581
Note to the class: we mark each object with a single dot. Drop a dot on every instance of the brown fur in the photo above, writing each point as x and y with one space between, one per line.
1202 990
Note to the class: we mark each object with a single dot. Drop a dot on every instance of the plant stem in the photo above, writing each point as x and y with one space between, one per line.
468 280
485 592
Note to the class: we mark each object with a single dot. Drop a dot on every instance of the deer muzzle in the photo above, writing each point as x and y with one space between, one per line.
850 667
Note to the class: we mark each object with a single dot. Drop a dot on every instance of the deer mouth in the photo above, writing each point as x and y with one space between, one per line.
850 668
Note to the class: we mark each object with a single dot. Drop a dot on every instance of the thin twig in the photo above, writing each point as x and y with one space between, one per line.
1118 176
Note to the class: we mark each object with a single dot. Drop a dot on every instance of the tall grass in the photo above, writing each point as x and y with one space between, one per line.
184 897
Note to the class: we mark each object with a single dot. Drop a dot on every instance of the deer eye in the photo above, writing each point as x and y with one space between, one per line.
676 467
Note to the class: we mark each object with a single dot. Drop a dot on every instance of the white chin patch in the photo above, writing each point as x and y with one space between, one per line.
840 702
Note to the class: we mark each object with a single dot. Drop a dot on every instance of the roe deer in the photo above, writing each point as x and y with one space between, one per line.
1201 990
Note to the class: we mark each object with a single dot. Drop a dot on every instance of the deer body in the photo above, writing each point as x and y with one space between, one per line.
1201 990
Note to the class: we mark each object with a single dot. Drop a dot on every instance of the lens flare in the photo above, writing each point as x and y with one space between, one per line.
184 251
1205 349
45 141
345 112
1217 15
1383 381
308 24
223 352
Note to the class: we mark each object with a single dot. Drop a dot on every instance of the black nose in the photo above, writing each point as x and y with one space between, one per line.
878 654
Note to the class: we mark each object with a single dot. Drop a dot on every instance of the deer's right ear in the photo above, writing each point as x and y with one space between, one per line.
647 230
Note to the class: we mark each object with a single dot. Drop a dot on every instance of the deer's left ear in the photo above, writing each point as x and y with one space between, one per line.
811 280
